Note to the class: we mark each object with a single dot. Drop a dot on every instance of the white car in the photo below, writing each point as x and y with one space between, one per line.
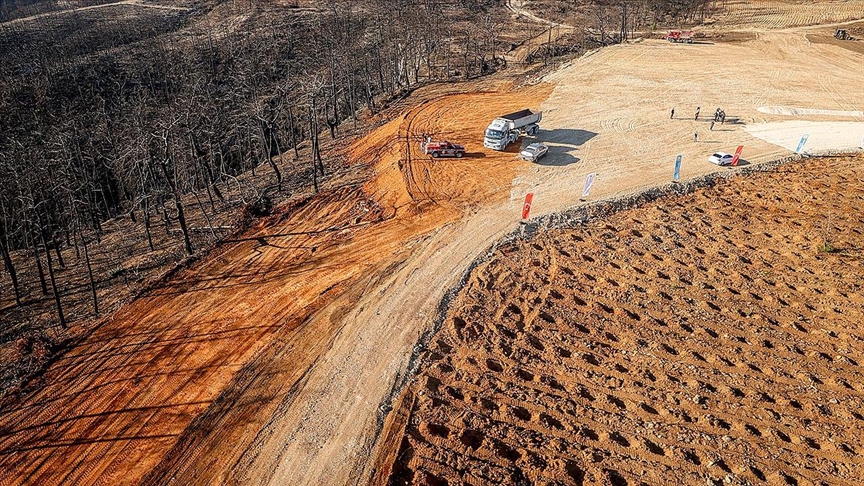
533 152
721 158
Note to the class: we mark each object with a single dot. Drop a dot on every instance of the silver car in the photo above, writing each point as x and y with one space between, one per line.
534 152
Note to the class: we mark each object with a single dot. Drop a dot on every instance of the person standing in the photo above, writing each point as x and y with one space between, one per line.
672 115
711 128
695 136
697 112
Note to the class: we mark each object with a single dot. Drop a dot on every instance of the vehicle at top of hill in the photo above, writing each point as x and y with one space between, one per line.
506 129
679 36
442 149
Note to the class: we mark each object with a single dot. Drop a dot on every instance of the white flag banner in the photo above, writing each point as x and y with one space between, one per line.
588 183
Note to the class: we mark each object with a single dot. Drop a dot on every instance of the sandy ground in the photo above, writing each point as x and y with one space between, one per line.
773 14
277 360
821 136
791 110
700 339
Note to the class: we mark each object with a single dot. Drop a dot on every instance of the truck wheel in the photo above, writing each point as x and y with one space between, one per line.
459 155
435 155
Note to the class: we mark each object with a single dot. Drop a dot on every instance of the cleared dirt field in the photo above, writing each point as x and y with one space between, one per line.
708 337
136 384
276 360
772 14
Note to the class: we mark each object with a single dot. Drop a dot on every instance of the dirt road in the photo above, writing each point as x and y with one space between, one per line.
601 130
275 361
132 3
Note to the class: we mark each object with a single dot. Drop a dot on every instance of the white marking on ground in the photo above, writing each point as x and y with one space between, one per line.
823 136
793 111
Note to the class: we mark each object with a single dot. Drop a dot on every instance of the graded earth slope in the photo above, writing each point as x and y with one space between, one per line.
710 337
277 359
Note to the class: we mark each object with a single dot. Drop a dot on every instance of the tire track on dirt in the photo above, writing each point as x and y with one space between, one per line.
515 386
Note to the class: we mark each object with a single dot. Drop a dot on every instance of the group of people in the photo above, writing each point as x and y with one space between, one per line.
719 115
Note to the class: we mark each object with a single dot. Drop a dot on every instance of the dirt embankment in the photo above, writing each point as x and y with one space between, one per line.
707 337
227 342
773 14
274 363
826 36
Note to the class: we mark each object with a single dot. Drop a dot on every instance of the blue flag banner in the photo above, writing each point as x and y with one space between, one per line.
677 167
588 183
801 143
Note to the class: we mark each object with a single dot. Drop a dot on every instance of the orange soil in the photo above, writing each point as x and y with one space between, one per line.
699 339
121 404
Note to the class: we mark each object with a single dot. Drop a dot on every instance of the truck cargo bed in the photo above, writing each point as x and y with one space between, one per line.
517 115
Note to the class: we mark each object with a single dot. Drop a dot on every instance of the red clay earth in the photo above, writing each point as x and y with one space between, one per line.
709 338
152 394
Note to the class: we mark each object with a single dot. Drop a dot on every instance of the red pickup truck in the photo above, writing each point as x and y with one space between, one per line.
678 36
442 149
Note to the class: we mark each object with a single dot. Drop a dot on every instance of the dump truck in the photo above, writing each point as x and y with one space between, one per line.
679 36
506 129
442 149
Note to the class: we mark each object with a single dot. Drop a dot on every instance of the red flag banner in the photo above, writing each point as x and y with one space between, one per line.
737 155
527 207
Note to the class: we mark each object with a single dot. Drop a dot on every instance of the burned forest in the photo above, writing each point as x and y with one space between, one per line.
463 242
134 135
169 124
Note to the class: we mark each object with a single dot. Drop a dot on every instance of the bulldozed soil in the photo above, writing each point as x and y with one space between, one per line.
779 14
277 359
240 320
712 337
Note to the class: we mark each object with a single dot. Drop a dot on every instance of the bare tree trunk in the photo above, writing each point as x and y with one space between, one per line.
351 103
292 123
266 140
39 268
165 218
56 245
60 315
335 122
74 242
314 137
178 202
10 268
147 223
181 218
90 274
206 217
623 21
316 147
97 223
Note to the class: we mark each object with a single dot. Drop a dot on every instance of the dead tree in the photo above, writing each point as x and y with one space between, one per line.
7 263
171 180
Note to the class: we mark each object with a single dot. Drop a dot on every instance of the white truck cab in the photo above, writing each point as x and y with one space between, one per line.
506 129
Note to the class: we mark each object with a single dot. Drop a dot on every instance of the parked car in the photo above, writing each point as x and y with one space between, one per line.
442 149
534 152
721 158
